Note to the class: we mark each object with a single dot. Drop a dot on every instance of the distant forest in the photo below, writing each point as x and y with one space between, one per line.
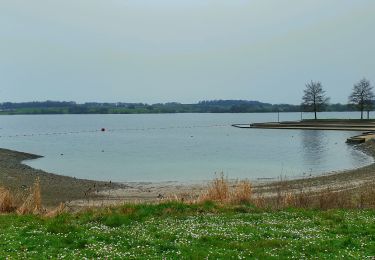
209 106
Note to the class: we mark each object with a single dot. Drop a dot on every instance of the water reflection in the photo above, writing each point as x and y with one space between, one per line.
314 145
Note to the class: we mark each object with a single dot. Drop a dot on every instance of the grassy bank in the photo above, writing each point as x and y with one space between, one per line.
175 230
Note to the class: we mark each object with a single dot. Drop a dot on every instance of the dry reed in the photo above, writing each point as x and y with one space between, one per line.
57 211
218 190
221 190
33 203
6 201
242 193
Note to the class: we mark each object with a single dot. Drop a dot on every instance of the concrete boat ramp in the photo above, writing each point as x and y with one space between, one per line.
361 138
366 126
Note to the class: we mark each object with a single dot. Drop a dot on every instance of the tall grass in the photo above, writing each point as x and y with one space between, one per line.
220 190
225 192
31 204
6 200
242 193
324 199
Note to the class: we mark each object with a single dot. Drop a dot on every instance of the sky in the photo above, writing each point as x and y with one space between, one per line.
154 51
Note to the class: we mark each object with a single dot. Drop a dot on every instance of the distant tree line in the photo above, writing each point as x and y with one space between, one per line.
315 99
207 106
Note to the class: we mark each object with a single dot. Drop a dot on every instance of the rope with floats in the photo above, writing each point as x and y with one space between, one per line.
111 130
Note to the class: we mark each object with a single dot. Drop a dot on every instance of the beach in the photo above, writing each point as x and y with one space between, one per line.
75 192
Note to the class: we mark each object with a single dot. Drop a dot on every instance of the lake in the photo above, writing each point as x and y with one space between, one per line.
178 147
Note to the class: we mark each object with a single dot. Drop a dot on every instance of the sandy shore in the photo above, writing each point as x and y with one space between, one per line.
78 192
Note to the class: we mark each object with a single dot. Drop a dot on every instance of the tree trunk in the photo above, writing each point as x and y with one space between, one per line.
315 109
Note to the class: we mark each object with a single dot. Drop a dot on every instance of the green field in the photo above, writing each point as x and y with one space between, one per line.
176 231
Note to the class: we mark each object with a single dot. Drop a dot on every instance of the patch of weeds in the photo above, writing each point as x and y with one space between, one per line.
75 241
61 224
246 208
116 220
333 216
270 243
209 205
166 247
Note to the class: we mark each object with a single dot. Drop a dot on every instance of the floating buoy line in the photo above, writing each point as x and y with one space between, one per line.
110 130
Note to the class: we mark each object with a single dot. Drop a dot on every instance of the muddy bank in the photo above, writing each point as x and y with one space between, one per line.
55 188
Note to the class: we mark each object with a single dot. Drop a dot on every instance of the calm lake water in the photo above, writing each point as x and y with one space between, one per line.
177 147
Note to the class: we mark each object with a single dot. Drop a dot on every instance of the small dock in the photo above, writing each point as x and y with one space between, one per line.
338 125
358 139
366 126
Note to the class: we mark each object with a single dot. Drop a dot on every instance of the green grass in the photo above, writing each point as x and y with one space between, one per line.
176 231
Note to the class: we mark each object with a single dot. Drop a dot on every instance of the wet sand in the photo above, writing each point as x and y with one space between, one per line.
78 192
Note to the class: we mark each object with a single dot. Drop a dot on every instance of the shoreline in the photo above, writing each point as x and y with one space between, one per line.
75 192
19 177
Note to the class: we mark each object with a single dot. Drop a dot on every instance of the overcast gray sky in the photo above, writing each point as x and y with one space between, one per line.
183 50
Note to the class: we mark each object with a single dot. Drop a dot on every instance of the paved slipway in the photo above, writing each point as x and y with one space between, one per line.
81 193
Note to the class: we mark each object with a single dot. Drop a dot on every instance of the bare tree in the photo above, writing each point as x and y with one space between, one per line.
314 97
362 96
